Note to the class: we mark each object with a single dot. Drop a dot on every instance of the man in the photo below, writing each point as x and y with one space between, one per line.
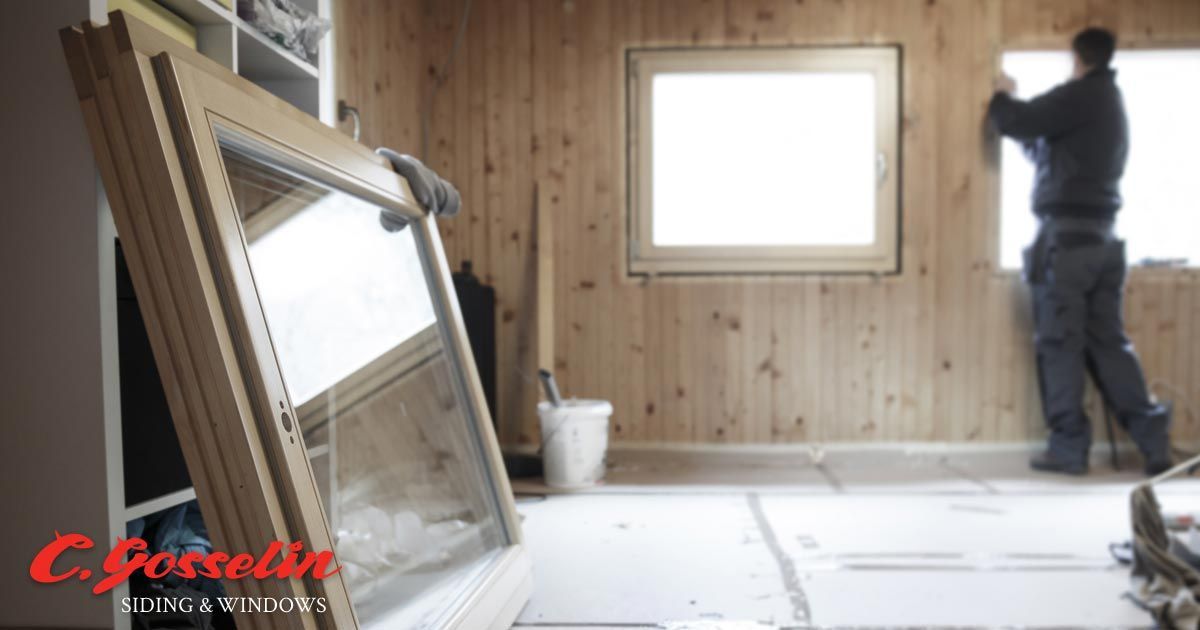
1077 136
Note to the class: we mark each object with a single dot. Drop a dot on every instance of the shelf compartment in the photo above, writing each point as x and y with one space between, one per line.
200 12
159 504
258 57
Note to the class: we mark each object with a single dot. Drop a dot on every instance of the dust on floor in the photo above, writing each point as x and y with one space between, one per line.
868 538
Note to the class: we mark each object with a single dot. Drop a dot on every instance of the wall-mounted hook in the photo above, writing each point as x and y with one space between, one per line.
344 112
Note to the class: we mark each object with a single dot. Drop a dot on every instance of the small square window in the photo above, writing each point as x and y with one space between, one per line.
1160 218
763 160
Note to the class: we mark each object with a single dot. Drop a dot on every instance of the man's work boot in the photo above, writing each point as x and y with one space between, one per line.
1155 442
1158 465
1047 462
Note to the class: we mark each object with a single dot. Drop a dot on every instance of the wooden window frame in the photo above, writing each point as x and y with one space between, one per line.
154 112
880 257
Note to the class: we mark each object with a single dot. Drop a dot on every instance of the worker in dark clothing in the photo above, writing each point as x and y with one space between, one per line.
1077 136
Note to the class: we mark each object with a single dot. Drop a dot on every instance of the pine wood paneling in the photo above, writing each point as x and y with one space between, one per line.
379 69
939 352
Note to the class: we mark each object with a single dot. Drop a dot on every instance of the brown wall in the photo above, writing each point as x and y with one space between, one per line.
57 319
940 352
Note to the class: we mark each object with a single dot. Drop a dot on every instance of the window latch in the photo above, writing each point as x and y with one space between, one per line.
881 169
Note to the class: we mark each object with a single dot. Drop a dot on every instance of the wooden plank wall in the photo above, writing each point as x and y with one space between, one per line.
939 353
378 69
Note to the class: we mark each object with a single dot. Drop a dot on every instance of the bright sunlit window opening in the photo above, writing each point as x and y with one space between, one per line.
1160 219
763 160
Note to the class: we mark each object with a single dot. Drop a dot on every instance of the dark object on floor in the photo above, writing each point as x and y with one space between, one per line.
521 466
1163 584
153 461
1046 462
1158 466
478 304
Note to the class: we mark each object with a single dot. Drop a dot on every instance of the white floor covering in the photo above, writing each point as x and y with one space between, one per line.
870 538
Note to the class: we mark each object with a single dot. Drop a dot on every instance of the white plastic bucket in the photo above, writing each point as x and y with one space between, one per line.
574 442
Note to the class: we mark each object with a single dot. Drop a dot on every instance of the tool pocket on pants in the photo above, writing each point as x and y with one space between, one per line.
1050 315
1049 303
1061 302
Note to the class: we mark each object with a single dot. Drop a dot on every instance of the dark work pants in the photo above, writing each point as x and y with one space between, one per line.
1077 279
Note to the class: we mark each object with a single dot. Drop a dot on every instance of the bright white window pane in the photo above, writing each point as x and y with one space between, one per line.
1161 216
791 155
328 319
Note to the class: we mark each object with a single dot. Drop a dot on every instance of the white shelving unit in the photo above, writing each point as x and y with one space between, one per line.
231 41
146 508
239 46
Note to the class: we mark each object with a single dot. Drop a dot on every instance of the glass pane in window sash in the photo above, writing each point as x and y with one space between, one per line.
357 336
790 155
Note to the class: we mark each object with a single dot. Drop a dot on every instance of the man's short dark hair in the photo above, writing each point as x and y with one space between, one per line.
1095 46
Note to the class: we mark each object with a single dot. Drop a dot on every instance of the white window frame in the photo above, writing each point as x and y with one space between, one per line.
879 257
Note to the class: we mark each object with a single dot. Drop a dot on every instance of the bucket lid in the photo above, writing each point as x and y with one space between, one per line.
579 405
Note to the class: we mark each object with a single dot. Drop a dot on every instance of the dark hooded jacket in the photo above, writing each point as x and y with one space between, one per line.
1078 138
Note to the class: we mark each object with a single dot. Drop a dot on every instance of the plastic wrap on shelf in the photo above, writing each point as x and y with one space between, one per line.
296 29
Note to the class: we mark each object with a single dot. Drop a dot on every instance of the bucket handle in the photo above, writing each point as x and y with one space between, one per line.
546 440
